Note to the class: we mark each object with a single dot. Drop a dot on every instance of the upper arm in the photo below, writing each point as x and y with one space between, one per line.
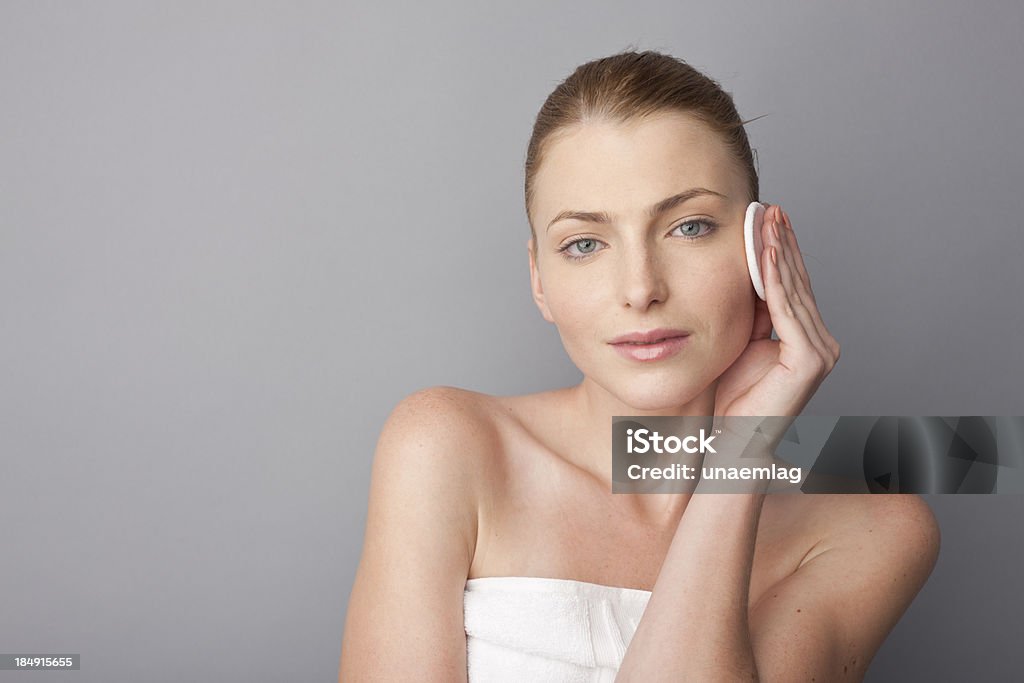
826 621
405 619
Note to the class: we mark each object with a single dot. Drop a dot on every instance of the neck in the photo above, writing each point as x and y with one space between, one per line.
594 408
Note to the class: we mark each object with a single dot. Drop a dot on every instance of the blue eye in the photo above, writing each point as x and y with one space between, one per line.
585 246
696 221
581 248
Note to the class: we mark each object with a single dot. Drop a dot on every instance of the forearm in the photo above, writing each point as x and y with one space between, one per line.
695 624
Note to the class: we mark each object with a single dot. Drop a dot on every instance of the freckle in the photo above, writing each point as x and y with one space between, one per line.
844 668
798 610
776 595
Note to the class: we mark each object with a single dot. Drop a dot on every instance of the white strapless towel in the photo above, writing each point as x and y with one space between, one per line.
530 629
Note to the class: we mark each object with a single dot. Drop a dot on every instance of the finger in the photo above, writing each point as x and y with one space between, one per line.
804 286
802 283
763 323
789 250
801 312
800 261
801 295
790 330
779 236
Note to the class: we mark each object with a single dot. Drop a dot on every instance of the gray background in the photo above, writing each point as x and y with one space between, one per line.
234 235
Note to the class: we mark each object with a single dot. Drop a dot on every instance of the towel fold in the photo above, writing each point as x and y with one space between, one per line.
526 629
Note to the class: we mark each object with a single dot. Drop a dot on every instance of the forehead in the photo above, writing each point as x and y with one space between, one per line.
623 167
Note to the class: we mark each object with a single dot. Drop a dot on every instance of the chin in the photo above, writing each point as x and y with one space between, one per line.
654 391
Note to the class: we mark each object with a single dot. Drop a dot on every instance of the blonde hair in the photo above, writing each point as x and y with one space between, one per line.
629 86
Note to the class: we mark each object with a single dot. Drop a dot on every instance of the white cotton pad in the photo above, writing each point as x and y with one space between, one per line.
753 244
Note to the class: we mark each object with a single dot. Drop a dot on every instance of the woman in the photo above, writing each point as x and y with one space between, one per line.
494 549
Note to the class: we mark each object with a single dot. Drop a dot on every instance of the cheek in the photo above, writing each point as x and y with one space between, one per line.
574 305
733 284
729 298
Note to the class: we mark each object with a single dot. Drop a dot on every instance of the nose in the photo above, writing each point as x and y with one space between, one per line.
642 278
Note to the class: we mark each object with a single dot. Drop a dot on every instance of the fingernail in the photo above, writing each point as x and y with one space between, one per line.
775 231
786 217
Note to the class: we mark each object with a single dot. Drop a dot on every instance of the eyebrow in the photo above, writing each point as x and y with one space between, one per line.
659 208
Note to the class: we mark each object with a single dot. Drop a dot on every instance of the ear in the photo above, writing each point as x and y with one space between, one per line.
536 286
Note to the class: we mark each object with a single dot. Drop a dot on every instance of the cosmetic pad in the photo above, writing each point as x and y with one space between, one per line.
753 244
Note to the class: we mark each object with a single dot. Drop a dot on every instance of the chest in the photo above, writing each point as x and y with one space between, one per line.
545 518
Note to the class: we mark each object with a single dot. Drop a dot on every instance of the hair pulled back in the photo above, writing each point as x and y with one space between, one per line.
630 86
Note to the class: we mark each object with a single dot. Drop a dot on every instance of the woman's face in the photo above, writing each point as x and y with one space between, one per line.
624 269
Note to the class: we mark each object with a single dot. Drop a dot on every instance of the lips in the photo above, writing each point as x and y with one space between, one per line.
650 337
649 347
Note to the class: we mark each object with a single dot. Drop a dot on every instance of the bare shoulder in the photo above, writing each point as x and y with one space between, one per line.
404 618
895 536
871 557
442 433
440 443
443 411
905 519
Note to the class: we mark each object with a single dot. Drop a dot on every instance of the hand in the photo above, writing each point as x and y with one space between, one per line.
778 377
